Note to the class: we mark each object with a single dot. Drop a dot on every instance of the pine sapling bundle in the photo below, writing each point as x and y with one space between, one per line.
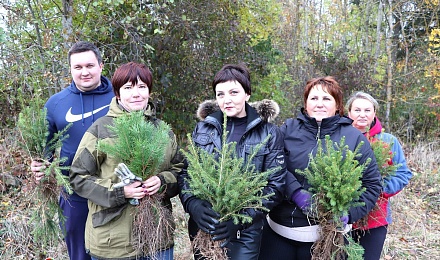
335 175
33 127
141 146
229 183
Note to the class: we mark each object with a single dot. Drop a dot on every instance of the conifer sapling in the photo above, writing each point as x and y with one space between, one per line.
230 183
335 175
141 145
47 216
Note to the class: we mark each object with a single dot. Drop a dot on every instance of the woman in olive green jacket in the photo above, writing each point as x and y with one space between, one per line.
109 224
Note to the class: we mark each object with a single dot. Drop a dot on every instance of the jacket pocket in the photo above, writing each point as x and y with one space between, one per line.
204 141
259 157
104 216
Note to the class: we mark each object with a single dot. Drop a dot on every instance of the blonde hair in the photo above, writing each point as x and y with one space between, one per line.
362 95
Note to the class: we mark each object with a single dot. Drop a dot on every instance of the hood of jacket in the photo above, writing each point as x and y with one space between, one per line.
326 127
267 109
376 127
104 87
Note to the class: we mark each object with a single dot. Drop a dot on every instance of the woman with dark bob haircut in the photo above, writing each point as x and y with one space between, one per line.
109 225
290 231
248 124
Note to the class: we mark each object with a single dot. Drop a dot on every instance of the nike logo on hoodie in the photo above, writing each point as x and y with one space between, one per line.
73 118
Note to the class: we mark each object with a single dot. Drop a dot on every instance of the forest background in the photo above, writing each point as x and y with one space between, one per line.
388 48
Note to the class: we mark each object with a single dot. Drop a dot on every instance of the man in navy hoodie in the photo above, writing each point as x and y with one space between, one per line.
86 99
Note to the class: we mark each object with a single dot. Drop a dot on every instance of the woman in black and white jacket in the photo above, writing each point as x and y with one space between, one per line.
290 233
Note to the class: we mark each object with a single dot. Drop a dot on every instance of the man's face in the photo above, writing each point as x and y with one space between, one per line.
85 70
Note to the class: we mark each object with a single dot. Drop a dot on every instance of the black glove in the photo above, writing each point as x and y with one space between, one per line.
226 230
202 213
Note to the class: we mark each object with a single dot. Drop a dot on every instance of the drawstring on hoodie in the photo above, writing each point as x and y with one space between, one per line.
82 108
93 107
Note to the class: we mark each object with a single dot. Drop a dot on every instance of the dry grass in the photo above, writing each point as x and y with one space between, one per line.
415 231
414 234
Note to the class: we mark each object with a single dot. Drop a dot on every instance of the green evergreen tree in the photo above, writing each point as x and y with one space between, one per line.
33 127
226 180
335 178
141 145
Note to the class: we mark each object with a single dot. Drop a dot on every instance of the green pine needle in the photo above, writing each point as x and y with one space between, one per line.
141 145
335 175
33 127
335 178
225 180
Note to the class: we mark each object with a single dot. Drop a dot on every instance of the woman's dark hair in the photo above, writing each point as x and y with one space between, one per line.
131 72
329 85
233 72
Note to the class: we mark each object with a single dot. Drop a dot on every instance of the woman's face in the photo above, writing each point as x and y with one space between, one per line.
362 112
231 98
134 97
320 104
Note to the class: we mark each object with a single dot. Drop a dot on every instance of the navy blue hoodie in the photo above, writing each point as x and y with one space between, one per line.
79 108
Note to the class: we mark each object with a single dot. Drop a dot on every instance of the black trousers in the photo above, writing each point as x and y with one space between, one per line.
245 248
274 246
371 240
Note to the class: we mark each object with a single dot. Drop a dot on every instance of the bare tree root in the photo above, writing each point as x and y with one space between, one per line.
330 244
153 227
207 248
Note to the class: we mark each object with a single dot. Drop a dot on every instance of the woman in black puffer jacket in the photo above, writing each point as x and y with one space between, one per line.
289 233
248 127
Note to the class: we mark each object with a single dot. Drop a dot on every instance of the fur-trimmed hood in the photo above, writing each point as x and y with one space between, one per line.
266 108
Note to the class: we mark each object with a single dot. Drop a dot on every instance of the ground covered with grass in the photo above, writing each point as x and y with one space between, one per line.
414 233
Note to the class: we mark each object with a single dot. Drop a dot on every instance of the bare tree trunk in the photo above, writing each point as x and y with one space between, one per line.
378 34
389 51
66 21
365 38
305 39
404 43
67 31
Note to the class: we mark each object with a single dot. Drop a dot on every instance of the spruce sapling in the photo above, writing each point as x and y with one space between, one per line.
47 216
335 175
141 145
230 183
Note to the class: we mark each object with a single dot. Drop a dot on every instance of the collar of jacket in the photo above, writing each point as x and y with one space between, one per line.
376 127
327 126
104 87
265 110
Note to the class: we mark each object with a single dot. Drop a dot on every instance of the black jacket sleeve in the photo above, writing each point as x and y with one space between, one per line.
275 158
371 181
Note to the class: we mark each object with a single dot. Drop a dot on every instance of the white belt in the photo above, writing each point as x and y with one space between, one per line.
301 234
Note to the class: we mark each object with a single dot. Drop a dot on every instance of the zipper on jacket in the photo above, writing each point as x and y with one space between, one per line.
319 133
316 145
